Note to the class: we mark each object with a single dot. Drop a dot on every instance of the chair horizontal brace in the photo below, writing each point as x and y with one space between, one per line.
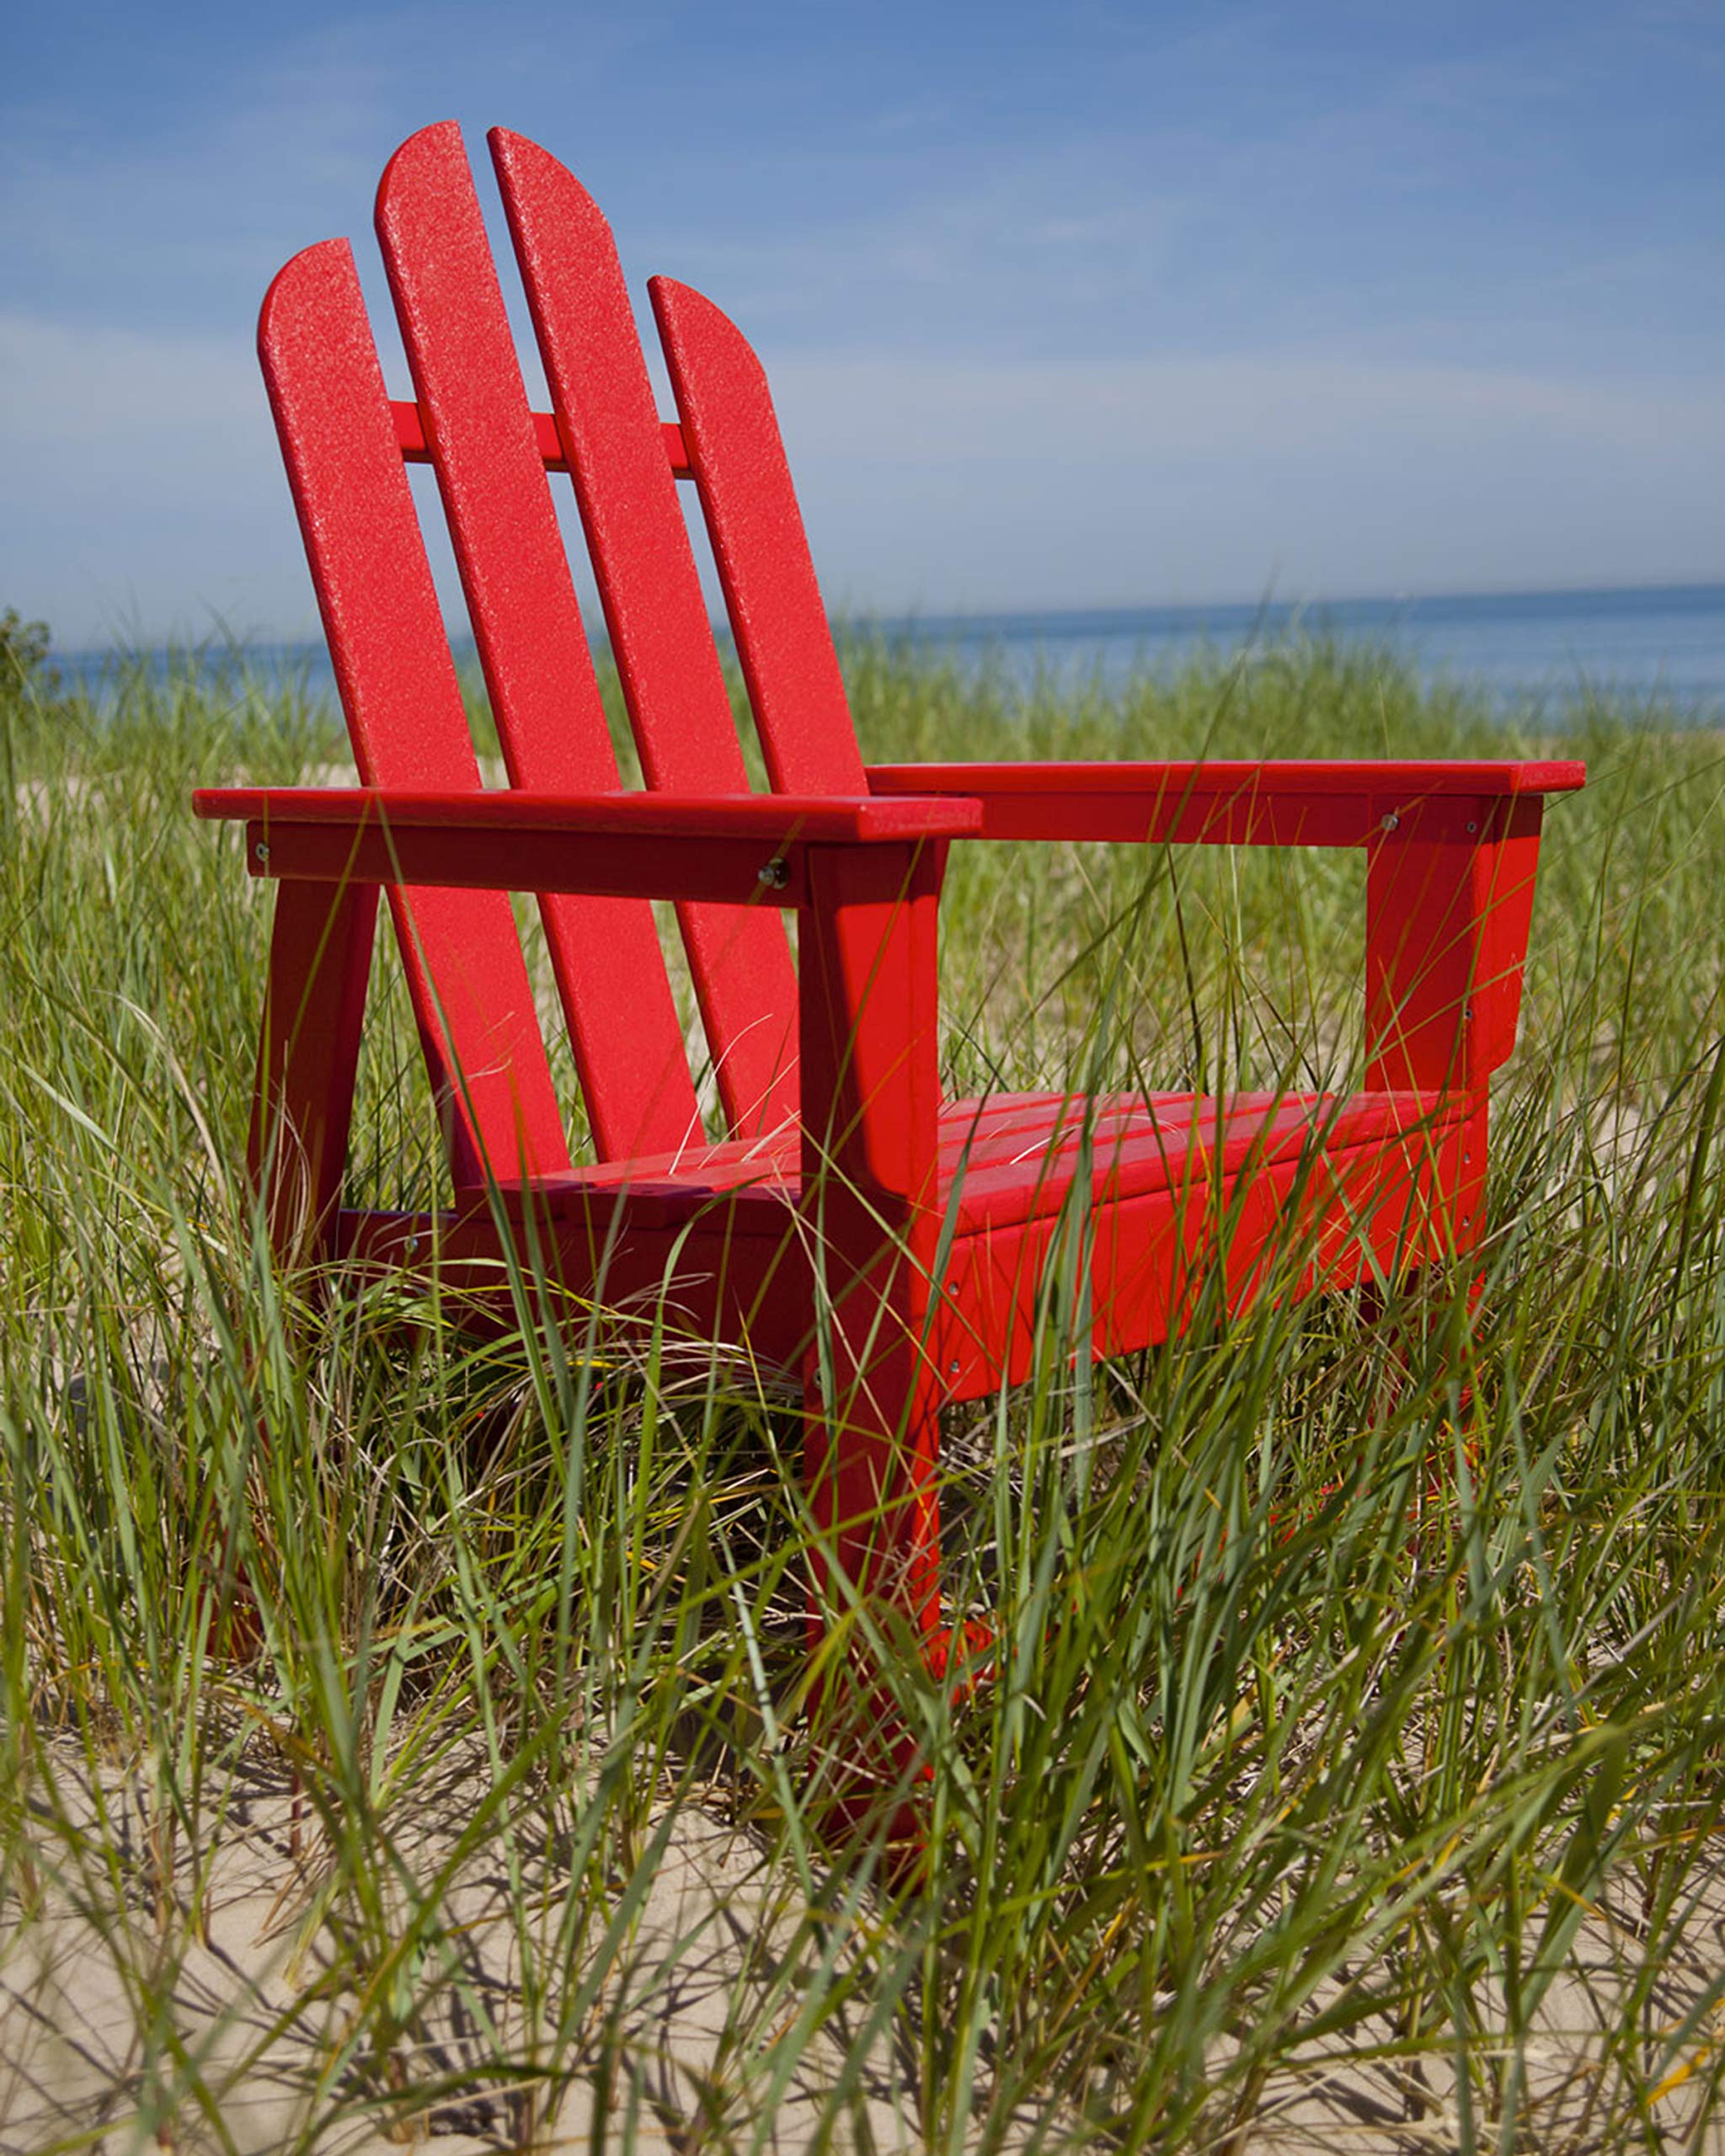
1147 1256
416 448
741 1269
599 1211
718 872
719 1282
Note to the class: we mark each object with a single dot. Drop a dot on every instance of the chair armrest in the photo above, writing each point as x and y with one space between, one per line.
1224 803
732 849
1452 849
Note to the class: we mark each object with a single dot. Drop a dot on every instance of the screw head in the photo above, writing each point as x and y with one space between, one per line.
774 873
1391 822
260 851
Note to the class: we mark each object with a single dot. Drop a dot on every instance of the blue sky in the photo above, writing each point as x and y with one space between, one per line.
1096 304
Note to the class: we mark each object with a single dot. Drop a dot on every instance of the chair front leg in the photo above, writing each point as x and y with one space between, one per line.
320 964
869 1068
1449 905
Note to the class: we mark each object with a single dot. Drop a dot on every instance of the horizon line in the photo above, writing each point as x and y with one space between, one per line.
842 618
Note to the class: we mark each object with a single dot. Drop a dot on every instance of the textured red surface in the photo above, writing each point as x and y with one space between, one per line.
896 1250
521 602
404 703
654 608
762 819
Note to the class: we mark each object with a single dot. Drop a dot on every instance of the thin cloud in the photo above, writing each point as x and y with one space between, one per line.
1138 303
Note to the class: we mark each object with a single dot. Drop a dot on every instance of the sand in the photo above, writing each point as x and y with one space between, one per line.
689 1994
220 1935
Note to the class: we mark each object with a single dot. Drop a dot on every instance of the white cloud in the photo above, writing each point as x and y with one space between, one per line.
943 483
1228 406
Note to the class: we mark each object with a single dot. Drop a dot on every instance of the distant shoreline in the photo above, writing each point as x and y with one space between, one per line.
1661 642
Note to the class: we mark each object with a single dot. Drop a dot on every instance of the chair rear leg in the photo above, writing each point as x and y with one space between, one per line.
320 963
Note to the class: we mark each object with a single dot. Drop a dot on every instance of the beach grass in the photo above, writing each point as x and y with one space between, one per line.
402 1732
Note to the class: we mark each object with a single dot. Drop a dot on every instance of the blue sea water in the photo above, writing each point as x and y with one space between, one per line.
1659 647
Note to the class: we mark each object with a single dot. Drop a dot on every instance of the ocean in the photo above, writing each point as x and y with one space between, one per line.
1659 647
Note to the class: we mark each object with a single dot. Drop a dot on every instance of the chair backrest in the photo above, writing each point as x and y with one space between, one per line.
345 444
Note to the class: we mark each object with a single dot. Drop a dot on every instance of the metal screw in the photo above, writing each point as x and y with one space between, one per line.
955 1366
1391 822
1467 1012
1473 827
260 851
411 1245
774 874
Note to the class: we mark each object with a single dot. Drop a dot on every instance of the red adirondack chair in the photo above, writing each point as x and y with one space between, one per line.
851 1224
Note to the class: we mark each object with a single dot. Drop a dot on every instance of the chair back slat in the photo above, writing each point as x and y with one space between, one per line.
471 997
654 608
731 438
527 622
